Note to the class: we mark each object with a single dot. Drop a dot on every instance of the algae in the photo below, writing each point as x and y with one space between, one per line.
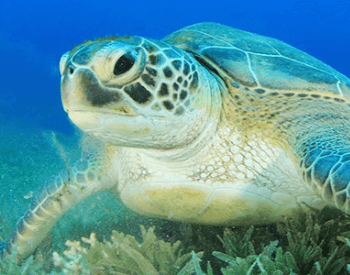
124 255
313 244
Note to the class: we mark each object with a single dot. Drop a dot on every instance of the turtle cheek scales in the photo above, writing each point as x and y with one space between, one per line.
138 93
169 79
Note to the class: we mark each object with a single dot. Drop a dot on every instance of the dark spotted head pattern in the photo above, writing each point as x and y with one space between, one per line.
145 86
150 74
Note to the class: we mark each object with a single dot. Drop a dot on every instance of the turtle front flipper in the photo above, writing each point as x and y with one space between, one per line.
58 194
326 167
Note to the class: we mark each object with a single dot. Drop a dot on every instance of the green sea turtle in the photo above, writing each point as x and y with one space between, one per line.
211 125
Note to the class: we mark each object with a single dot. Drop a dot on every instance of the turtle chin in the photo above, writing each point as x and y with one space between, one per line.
136 131
112 127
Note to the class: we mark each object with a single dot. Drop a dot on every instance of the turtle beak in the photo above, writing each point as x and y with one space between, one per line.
67 85
81 90
73 87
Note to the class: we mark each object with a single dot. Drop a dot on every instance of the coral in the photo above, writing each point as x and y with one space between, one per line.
124 255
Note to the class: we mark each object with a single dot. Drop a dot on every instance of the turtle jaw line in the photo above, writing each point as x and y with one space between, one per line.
101 112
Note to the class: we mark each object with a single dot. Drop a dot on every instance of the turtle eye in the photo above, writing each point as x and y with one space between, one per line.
124 64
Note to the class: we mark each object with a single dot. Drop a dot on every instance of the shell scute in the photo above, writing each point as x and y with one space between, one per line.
257 61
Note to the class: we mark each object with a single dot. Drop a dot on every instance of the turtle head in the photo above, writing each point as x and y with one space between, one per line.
135 92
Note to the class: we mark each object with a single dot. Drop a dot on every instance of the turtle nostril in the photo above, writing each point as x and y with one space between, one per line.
70 70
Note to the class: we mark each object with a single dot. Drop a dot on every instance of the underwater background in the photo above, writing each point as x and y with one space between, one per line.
33 36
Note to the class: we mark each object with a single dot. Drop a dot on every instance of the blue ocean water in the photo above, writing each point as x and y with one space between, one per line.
34 35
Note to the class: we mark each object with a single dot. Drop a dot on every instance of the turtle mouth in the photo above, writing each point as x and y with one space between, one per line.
112 127
121 111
